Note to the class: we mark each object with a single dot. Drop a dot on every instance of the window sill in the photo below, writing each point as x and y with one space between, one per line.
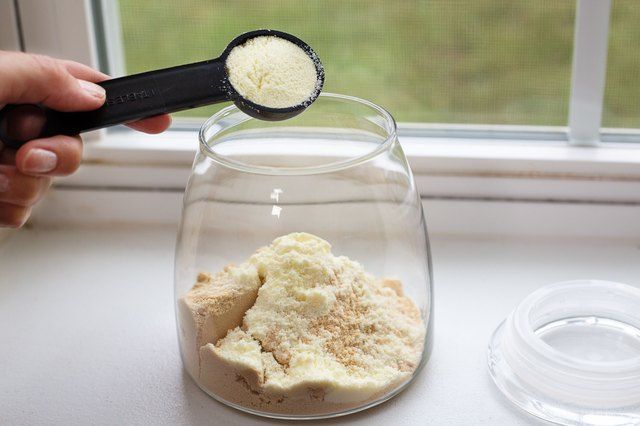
467 168
469 187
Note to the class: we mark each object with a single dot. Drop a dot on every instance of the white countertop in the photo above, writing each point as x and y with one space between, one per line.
87 331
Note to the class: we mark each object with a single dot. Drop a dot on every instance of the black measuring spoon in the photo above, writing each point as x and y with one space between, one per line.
138 96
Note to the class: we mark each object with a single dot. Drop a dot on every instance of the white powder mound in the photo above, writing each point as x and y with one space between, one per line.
321 336
272 72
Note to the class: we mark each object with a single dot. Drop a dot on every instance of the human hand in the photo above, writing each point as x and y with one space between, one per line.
25 174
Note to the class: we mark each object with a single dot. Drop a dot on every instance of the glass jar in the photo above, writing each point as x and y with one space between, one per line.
303 272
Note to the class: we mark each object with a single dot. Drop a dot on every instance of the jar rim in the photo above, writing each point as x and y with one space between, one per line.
221 159
538 298
544 369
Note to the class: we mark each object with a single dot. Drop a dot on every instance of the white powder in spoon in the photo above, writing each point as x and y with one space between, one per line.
272 72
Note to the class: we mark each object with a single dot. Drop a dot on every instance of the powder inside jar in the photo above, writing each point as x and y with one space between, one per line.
295 329
272 72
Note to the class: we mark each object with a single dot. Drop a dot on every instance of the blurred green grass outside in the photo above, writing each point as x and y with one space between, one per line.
458 61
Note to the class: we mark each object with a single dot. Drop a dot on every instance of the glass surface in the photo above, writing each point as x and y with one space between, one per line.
622 91
592 338
464 61
569 353
338 172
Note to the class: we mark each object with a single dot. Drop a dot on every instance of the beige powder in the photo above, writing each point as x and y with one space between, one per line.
214 305
321 336
272 72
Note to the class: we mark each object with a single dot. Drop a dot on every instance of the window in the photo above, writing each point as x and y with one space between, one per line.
490 94
622 92
474 61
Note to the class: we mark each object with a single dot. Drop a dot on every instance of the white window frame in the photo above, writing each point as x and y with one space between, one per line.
526 163
588 75
9 26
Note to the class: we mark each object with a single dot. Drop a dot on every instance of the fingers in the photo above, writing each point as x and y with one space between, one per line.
18 192
152 125
39 79
84 72
157 124
8 156
13 216
19 189
25 122
55 156
59 84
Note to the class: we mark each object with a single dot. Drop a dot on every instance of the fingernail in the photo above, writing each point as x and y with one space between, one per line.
4 183
92 89
40 161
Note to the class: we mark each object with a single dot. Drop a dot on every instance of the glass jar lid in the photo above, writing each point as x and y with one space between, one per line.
570 353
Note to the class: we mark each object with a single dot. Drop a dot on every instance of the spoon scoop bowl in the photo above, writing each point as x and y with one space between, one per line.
262 112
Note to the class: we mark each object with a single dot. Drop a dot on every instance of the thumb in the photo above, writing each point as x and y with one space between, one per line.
36 79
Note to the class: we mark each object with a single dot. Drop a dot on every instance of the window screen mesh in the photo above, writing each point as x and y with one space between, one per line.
464 61
622 90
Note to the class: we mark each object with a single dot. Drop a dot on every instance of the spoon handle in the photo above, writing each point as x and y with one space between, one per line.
134 97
